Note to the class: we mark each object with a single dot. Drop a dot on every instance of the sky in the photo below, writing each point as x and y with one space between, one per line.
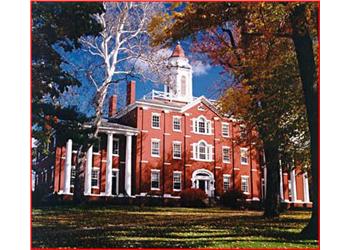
205 78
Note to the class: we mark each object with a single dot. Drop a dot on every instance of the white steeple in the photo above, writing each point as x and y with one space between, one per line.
181 88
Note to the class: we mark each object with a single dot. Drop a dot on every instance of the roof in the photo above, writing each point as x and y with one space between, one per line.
116 128
173 105
178 51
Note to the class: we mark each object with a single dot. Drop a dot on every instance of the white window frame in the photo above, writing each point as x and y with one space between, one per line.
241 157
207 125
246 179
179 119
225 124
228 154
208 151
226 177
158 173
152 141
178 173
115 140
153 115
98 178
177 143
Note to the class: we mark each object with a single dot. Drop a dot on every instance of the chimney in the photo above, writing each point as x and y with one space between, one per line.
112 106
130 93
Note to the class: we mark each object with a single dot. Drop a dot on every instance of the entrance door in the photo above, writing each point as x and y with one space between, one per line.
201 185
115 185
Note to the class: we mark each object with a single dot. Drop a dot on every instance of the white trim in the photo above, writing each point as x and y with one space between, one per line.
115 139
177 173
227 176
229 154
177 117
144 131
228 129
155 140
158 115
240 156
143 161
155 171
246 177
98 177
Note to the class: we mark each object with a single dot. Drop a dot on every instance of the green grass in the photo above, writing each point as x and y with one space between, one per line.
130 226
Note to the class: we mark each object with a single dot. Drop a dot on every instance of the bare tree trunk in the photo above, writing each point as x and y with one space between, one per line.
304 51
78 193
273 199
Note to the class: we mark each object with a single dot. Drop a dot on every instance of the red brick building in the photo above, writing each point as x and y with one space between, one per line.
167 142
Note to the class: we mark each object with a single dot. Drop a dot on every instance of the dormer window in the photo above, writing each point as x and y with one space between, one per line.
202 125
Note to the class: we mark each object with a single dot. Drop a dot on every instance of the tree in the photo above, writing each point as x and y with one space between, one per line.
250 22
52 25
118 52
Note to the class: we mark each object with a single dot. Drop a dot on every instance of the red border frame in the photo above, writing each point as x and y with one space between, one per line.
318 96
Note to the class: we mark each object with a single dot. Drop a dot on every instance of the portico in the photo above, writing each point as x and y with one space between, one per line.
112 176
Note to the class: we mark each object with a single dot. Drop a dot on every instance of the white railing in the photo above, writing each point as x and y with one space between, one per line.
156 94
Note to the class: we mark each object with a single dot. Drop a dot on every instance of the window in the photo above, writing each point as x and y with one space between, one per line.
177 150
183 85
155 147
202 126
202 151
177 181
226 182
115 146
155 179
176 123
244 156
155 120
225 130
226 158
245 184
72 176
95 176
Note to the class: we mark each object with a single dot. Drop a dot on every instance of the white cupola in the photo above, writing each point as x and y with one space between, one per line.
181 87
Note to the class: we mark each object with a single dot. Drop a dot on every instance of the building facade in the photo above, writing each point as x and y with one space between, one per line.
169 141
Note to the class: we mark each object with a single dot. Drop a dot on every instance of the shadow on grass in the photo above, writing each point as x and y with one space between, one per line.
164 227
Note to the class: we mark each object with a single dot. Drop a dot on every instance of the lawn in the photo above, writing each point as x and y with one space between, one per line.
131 226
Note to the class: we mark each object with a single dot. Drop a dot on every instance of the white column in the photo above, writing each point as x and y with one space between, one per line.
128 165
88 169
108 190
306 188
293 186
67 167
281 184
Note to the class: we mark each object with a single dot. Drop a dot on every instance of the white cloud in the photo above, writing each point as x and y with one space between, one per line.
200 68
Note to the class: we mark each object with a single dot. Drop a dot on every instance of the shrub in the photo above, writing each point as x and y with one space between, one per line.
193 198
234 199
